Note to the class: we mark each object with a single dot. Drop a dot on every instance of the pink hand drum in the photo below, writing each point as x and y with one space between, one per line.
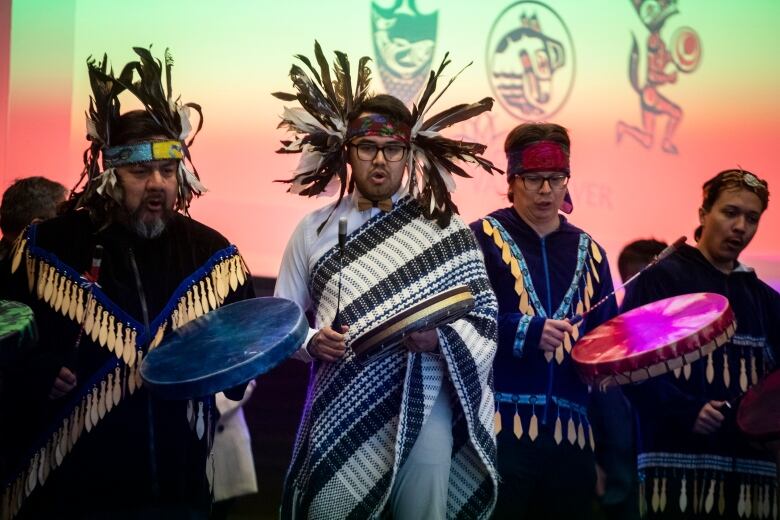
759 412
656 338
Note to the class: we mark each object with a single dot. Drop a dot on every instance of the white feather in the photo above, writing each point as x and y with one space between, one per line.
294 146
340 128
186 126
310 160
302 120
428 133
446 176
189 177
416 127
107 182
92 129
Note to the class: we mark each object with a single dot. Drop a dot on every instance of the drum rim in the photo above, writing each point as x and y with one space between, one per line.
205 385
753 397
639 366
405 317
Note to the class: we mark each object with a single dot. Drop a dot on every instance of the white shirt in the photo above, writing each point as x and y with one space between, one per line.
306 247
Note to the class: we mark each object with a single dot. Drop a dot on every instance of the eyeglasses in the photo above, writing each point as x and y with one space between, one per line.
366 151
535 182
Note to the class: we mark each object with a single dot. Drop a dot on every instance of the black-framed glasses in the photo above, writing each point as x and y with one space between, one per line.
366 151
535 182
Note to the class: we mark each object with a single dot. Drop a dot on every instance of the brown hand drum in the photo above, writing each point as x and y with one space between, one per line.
654 339
434 311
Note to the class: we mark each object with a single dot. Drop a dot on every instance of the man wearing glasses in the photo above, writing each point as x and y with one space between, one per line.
389 436
544 271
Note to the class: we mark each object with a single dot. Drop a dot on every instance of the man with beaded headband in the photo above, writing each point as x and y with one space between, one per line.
91 441
410 434
693 461
544 270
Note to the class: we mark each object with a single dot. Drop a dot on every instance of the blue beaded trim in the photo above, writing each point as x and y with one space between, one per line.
705 461
541 400
565 307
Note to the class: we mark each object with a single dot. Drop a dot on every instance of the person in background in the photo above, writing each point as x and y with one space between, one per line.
27 200
234 467
613 419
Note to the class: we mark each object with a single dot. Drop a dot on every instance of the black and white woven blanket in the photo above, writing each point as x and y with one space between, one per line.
360 423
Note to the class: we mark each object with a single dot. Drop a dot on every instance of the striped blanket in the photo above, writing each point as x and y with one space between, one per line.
360 423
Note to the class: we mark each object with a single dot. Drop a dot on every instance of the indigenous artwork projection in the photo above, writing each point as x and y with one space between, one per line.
658 96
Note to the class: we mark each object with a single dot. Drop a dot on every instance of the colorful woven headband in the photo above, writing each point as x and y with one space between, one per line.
378 125
142 152
540 156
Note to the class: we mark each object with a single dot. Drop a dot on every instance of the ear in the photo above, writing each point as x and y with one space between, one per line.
702 214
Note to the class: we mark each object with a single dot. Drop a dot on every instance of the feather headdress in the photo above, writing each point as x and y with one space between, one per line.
320 126
143 79
320 123
432 158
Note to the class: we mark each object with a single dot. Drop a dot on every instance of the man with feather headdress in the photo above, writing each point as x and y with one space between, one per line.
92 442
409 434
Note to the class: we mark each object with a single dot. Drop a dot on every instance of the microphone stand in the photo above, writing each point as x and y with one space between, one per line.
337 323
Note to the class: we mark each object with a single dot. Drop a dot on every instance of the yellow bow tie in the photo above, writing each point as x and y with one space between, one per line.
384 204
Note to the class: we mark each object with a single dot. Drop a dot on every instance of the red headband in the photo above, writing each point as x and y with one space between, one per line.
539 156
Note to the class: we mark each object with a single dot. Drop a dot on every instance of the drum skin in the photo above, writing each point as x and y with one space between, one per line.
225 348
439 309
758 415
654 339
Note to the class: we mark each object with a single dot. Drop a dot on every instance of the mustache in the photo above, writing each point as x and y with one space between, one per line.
155 195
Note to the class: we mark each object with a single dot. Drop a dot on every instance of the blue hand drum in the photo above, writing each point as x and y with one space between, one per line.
225 348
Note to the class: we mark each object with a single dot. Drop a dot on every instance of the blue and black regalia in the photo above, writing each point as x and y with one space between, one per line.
720 475
108 448
543 431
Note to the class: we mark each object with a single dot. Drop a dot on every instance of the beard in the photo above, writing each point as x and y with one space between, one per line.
153 228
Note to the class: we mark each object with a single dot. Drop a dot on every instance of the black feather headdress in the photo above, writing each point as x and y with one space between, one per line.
433 157
320 127
143 79
320 124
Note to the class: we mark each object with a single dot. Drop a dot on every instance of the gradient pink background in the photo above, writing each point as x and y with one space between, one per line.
229 60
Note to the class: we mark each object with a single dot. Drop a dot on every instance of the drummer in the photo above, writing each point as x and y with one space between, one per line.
94 443
389 436
544 270
690 452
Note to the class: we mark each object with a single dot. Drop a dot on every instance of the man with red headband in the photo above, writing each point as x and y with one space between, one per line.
544 271
410 434
693 461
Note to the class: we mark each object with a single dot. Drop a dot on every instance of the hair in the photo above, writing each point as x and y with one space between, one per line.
131 127
136 126
28 199
733 179
386 105
523 135
638 253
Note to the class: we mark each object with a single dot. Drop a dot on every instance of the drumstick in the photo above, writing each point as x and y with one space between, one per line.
668 250
342 244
